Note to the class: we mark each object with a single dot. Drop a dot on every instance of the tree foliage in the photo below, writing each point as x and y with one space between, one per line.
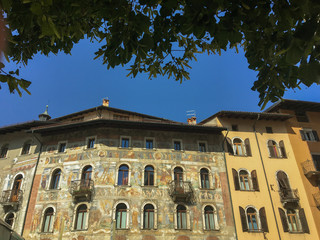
281 38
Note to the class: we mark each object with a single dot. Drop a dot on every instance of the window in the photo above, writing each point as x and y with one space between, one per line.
148 216
273 149
86 177
149 143
178 174
16 192
55 179
309 135
301 116
63 145
292 221
125 142
244 180
121 216
316 161
269 130
26 148
149 176
234 127
177 145
202 147
238 147
4 151
90 143
209 218
9 218
181 217
204 178
81 217
252 219
48 220
123 175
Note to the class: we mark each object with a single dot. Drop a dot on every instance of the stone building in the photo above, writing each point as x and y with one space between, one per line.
106 173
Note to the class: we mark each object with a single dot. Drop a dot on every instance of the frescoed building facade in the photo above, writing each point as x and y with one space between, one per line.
106 173
268 196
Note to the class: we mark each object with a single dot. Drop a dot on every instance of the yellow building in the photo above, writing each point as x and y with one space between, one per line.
303 131
268 197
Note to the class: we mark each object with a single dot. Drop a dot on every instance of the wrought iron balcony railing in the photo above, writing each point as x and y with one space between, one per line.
11 198
316 197
82 190
309 169
289 196
181 191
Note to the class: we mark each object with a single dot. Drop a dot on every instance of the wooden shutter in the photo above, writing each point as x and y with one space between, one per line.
248 148
243 219
254 180
284 220
303 220
235 179
229 146
263 219
282 149
315 134
302 135
270 147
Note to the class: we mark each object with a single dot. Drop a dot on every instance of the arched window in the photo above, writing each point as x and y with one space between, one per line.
244 180
273 149
204 177
123 175
86 176
284 185
209 218
48 220
81 217
178 174
148 216
26 148
9 219
55 179
121 216
238 148
4 151
181 217
15 194
252 219
293 221
149 176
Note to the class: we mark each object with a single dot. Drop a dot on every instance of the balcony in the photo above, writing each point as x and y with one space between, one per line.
289 197
181 191
11 199
82 190
316 197
310 170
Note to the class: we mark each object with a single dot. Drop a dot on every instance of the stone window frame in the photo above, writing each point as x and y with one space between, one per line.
130 142
210 176
206 146
175 217
155 220
281 152
129 174
14 218
184 171
215 217
249 179
257 216
4 146
154 176
42 219
87 141
114 210
145 143
58 146
29 141
75 217
243 147
48 187
22 181
181 144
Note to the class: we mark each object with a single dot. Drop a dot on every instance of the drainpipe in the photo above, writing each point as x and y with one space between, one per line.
225 162
34 175
265 174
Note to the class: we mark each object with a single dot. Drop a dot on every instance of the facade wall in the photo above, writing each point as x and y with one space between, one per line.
266 168
105 158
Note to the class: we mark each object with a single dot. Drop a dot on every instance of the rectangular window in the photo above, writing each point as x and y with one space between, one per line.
234 127
316 161
177 145
301 116
149 144
182 219
90 143
3 152
121 219
309 135
202 147
125 142
25 149
62 147
269 130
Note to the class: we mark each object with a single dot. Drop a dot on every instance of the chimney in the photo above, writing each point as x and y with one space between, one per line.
44 116
192 121
105 102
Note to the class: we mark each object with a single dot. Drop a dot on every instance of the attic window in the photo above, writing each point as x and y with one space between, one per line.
301 116
78 119
120 117
269 130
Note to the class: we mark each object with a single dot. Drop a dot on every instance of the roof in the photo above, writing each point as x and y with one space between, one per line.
295 105
248 115
161 126
22 126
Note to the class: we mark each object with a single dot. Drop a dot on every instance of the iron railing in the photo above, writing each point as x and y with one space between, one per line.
316 197
80 189
11 197
181 191
309 169
289 195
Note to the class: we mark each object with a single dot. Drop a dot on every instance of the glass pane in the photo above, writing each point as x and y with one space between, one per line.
123 220
249 222
151 219
145 220
46 224
118 219
51 224
246 181
79 221
254 221
184 220
211 219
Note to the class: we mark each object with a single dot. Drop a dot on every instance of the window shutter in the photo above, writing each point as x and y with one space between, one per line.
229 146
247 144
236 179
243 219
315 134
282 149
254 179
284 220
302 135
263 219
270 147
303 220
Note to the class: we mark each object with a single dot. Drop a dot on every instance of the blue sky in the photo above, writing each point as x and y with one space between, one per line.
73 83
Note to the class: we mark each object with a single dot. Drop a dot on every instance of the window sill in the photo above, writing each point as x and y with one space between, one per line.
148 229
88 149
121 229
241 155
79 230
129 148
123 186
206 189
183 229
297 232
150 149
251 190
211 230
46 233
255 231
149 186
53 190
173 150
